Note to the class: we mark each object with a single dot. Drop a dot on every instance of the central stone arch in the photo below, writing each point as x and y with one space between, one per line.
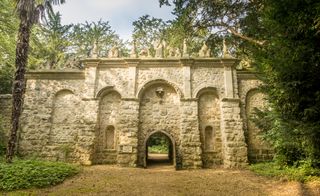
159 111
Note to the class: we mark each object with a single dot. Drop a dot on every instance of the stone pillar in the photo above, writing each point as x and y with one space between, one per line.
187 63
132 66
128 133
234 147
86 131
91 78
190 146
228 80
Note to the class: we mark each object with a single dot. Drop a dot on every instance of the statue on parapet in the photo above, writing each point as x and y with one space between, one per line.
113 52
204 51
133 53
185 49
95 50
225 50
158 47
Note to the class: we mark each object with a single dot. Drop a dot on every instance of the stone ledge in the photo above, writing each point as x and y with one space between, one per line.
5 96
247 75
158 62
56 75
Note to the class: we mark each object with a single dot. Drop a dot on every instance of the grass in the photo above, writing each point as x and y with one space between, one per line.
302 173
23 174
160 149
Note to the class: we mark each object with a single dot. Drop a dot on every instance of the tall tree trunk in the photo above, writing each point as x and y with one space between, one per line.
19 83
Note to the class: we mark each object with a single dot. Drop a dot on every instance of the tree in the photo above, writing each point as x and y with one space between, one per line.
50 43
147 30
282 39
95 34
28 13
8 28
219 16
290 66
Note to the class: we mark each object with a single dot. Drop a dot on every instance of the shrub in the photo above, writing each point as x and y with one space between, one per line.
23 174
303 172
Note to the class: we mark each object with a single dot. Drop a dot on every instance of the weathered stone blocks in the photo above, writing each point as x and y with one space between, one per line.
106 113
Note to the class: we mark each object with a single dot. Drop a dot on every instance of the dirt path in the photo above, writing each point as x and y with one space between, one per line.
112 180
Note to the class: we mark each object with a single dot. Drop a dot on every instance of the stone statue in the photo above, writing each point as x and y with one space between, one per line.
113 52
225 50
204 51
133 53
171 51
178 53
94 51
143 53
185 49
158 47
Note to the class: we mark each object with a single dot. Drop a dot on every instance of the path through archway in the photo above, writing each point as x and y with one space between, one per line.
160 150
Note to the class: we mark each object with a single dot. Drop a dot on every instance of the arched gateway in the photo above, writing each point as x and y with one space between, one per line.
118 104
171 147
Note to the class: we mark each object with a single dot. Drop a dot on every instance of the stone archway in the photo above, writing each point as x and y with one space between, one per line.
171 147
159 111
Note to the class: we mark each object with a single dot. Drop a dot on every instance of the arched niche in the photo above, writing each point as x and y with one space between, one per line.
209 116
258 150
150 83
106 129
64 103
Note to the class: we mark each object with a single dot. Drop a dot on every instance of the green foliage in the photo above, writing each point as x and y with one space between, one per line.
147 30
302 173
50 43
158 143
8 30
22 174
85 37
161 149
290 67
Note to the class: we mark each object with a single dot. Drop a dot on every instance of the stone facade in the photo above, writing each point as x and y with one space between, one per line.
5 117
106 113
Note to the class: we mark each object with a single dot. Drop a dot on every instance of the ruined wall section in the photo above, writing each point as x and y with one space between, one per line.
171 74
250 97
5 119
107 130
207 76
116 78
210 129
158 113
49 127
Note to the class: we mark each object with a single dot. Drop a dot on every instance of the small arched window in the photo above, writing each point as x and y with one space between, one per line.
208 136
109 137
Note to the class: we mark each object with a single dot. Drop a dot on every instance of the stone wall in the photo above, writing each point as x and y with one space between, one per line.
251 99
210 131
105 113
5 118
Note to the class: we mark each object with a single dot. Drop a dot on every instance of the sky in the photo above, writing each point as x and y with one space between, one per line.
119 13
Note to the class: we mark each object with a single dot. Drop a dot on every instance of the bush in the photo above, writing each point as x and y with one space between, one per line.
23 174
303 172
158 149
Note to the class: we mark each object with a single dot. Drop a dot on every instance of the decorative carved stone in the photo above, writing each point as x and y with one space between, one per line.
94 51
225 50
185 49
158 46
113 52
133 53
204 51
